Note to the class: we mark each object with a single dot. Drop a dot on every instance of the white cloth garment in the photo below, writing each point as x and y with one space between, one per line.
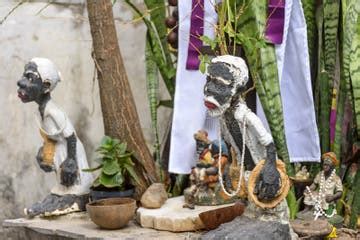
292 56
189 111
58 127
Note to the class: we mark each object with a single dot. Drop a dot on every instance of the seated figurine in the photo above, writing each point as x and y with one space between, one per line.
204 176
326 189
62 151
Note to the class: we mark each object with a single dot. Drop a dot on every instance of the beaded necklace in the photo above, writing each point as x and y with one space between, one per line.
320 198
221 180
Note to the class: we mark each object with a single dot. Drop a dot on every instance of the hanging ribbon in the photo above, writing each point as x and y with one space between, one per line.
275 24
196 31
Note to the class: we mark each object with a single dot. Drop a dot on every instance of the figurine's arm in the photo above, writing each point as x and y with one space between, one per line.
69 168
268 182
335 197
338 191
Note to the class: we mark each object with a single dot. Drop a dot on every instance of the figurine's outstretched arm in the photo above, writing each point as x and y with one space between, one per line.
69 168
268 182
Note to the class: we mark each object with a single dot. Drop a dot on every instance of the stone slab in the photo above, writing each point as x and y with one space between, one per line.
249 229
173 217
79 226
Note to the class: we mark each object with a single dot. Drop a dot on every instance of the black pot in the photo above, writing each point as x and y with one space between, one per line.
101 194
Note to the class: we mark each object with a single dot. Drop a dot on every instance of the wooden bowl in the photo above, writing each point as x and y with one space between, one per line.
112 213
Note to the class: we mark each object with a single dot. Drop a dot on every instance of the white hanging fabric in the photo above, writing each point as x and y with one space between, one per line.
301 132
189 114
292 56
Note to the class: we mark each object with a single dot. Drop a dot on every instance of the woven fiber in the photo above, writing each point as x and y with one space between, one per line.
284 189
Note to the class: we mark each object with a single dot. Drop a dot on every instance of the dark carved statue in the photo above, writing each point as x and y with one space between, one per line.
62 152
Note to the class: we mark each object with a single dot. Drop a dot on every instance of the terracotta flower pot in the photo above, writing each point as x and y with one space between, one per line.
112 213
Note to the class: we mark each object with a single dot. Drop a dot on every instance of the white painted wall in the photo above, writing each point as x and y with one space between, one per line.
59 32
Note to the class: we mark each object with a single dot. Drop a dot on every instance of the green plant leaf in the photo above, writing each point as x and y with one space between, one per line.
309 7
91 169
99 160
132 173
152 85
166 103
292 203
125 155
110 167
106 140
263 69
354 68
204 60
111 181
158 42
127 161
97 182
208 41
122 148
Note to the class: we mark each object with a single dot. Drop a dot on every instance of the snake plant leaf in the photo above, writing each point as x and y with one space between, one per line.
342 87
340 114
350 28
355 74
309 8
331 22
158 42
152 82
157 10
111 181
355 207
263 69
322 86
317 87
152 85
166 103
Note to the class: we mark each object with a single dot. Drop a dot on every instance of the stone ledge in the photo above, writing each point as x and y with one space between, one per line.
79 226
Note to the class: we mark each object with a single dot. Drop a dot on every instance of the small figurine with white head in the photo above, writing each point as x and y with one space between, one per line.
62 151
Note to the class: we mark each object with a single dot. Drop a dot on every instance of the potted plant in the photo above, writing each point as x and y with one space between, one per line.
116 171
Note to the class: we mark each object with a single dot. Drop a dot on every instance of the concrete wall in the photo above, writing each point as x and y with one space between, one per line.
59 31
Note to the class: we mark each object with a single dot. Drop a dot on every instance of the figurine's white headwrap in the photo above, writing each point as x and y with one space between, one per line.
48 71
237 67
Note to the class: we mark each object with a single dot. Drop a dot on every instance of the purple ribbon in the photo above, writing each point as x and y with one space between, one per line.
275 25
196 31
